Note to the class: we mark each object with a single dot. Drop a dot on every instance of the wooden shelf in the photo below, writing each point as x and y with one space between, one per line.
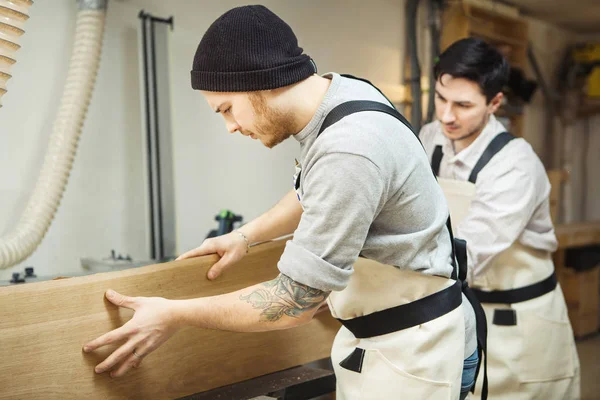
511 28
580 288
496 38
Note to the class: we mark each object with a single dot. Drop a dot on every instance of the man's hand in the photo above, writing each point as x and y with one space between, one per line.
152 325
230 247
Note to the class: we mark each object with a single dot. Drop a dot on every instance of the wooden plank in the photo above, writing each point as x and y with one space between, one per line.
44 325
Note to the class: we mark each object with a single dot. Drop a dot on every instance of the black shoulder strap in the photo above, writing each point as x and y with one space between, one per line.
436 160
368 83
490 151
354 106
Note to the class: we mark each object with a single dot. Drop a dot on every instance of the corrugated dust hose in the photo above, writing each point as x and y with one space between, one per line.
31 228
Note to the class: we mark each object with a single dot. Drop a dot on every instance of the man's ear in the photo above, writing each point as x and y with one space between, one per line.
495 103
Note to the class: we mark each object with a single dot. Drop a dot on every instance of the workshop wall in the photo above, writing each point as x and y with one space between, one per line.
575 145
582 192
104 206
592 188
548 43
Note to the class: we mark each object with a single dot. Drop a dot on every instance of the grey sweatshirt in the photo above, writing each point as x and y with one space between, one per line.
366 188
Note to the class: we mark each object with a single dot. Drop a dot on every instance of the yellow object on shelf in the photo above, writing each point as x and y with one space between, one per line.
593 83
589 54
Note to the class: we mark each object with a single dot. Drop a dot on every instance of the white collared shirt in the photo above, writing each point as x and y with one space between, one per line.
512 195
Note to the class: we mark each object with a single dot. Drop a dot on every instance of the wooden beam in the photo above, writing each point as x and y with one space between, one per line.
495 7
578 234
44 325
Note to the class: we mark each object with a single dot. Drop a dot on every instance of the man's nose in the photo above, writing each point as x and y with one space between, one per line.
232 126
447 116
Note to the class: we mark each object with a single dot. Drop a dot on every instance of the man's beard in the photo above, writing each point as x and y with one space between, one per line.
475 130
272 126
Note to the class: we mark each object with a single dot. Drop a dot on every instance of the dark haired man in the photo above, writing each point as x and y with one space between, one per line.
363 187
498 192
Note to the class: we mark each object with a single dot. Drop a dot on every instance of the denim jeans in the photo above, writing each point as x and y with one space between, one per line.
468 375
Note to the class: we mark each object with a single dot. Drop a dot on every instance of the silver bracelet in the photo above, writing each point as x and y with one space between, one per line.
245 240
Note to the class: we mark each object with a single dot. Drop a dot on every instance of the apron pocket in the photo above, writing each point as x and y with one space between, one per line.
381 379
547 348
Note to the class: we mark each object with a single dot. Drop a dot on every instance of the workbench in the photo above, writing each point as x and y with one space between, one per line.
581 288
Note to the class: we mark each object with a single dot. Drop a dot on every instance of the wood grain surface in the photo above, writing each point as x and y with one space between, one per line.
44 325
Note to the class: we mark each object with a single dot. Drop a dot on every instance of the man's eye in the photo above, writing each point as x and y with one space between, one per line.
227 111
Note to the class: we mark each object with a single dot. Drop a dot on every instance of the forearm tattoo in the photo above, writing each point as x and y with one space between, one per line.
284 296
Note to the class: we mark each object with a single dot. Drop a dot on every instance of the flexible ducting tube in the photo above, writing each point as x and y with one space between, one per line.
13 14
19 244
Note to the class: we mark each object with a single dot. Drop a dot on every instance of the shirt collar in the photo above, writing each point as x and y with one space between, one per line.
470 155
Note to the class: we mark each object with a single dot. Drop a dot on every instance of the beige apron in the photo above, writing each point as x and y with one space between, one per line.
421 362
536 358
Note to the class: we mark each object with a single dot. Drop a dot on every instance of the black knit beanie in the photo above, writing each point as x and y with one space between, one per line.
248 49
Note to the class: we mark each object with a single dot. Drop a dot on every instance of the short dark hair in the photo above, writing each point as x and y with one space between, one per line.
477 61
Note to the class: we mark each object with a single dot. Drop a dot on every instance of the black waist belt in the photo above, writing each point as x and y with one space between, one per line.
407 315
517 295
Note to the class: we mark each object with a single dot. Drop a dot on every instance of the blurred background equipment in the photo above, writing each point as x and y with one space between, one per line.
227 221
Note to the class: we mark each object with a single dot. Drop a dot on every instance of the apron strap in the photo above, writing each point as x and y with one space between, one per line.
436 160
405 316
354 106
481 328
490 151
518 295
461 256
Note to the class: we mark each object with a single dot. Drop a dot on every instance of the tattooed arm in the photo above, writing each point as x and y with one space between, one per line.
277 304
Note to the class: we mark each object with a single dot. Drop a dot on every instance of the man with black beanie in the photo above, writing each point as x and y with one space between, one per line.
363 186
